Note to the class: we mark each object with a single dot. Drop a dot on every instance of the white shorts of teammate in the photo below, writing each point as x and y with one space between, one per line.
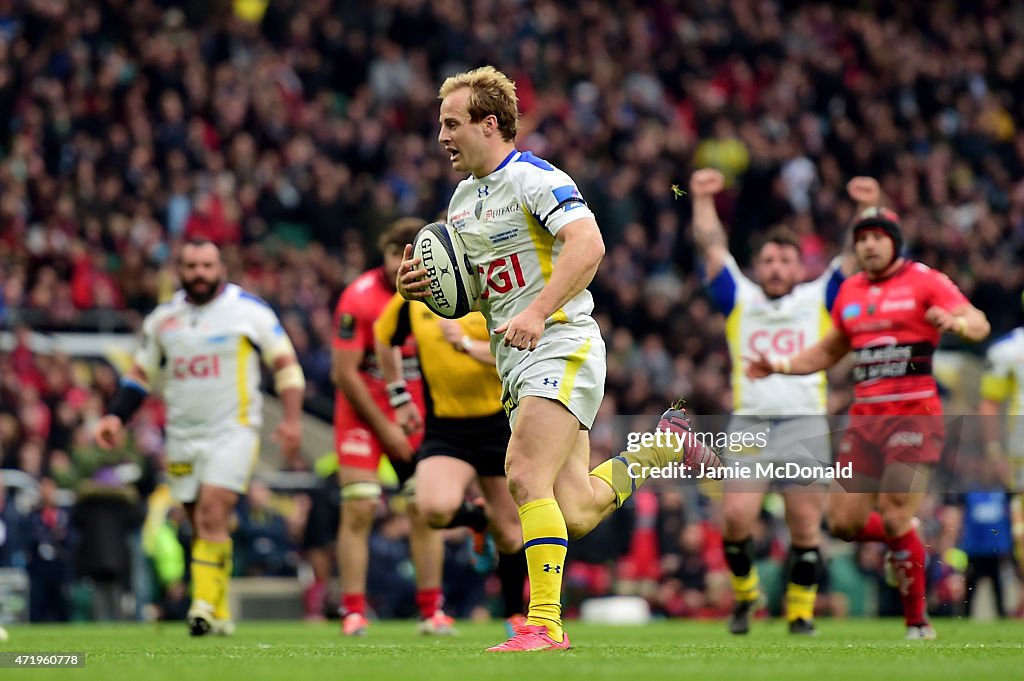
224 460
567 367
803 440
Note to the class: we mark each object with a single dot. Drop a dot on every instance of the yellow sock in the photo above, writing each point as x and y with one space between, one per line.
800 602
748 587
222 609
545 541
627 471
208 582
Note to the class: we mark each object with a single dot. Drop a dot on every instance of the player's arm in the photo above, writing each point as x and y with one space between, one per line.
345 363
355 333
278 355
708 233
964 320
478 349
949 311
290 386
582 252
131 393
134 386
833 346
390 331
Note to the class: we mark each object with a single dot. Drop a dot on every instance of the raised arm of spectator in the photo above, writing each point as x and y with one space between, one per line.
707 228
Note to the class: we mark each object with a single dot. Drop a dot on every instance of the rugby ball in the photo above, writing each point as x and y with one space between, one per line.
453 284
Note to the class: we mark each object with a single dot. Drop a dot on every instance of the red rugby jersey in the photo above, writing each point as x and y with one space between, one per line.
892 343
358 308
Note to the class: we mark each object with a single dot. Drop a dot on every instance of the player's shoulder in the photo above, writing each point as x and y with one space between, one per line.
526 162
528 170
369 281
368 290
240 297
854 282
168 309
920 271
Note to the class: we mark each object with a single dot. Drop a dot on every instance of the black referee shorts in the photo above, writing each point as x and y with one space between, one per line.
481 442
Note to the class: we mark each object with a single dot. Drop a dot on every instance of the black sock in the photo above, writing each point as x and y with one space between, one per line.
804 565
740 556
512 575
470 515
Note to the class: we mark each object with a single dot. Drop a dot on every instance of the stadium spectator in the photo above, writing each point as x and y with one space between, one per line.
50 538
12 530
262 543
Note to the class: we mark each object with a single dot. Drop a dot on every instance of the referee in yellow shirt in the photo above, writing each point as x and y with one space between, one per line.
466 431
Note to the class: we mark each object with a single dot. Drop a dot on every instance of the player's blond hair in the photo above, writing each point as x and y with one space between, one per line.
491 93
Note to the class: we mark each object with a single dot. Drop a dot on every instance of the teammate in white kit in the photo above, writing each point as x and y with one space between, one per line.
777 316
1002 384
206 344
536 246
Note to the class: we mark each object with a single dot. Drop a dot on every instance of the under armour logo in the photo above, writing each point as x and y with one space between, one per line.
557 569
481 192
553 382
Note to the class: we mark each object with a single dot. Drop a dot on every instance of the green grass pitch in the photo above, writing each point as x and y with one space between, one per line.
851 649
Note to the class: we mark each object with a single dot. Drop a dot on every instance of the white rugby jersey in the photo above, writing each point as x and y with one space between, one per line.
1003 381
778 328
207 358
508 221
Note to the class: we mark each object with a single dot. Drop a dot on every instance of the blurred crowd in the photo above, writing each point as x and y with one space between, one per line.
292 132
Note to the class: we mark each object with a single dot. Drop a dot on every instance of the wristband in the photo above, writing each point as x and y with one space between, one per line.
398 394
397 401
782 365
466 344
289 377
961 325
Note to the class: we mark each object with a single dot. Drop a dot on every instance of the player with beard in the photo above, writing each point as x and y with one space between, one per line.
781 313
891 315
205 346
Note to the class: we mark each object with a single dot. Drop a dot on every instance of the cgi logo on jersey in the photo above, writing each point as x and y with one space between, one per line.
497 277
781 341
199 366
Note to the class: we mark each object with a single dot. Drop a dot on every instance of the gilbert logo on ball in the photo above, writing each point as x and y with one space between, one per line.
453 289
